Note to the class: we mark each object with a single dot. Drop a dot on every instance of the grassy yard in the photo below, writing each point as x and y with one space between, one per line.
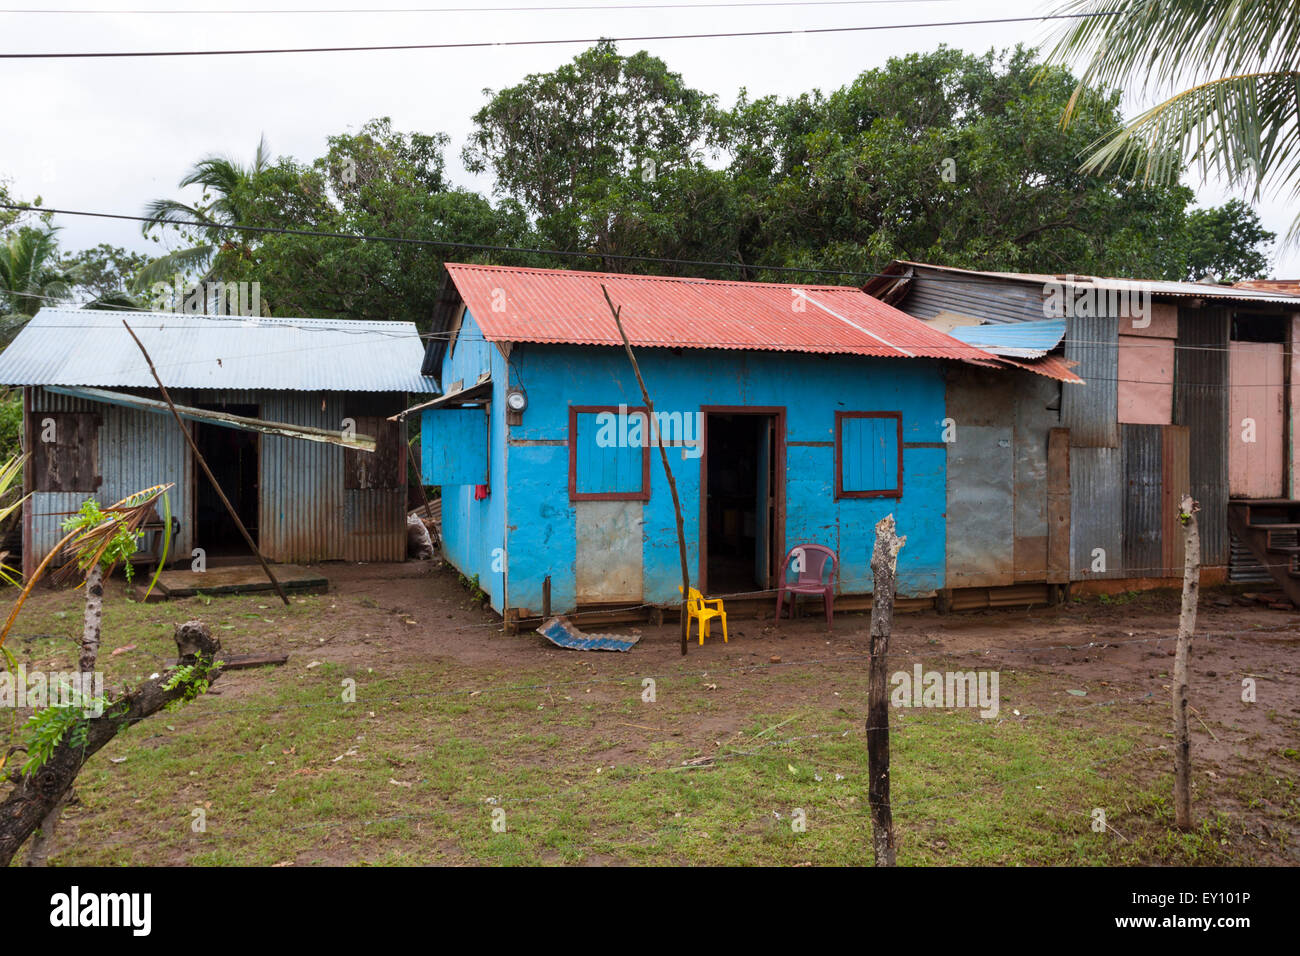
473 747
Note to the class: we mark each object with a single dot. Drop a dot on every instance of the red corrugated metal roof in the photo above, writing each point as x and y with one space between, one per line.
1052 366
567 307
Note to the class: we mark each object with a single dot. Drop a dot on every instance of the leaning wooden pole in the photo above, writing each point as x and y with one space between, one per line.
672 485
884 568
1186 628
198 456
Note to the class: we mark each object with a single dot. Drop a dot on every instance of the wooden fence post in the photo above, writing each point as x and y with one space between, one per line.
1186 628
884 567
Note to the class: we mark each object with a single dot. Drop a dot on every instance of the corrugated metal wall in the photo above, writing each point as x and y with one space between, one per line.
136 450
306 513
1143 501
1096 509
1091 411
997 494
1201 403
993 300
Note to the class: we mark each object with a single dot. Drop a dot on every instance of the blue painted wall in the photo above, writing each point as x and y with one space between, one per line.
540 520
473 531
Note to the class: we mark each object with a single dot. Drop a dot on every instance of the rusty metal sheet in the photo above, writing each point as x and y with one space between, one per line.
1037 412
1201 403
1143 447
1096 513
609 552
981 507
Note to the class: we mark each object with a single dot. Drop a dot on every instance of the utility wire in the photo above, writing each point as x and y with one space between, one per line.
574 8
482 44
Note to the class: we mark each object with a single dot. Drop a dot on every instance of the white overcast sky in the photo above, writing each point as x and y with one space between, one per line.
111 134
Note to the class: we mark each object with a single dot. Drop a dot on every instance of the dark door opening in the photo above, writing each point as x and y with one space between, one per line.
232 454
740 488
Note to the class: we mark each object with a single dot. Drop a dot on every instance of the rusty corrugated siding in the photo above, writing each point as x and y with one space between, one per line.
1201 403
997 495
136 450
1091 411
1096 512
302 506
1143 499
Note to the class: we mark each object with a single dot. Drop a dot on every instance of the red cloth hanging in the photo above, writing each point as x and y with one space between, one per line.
480 492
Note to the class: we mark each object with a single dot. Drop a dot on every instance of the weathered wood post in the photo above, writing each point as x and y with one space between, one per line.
884 568
1186 628
668 472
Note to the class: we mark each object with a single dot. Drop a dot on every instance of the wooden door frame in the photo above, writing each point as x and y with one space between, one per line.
777 413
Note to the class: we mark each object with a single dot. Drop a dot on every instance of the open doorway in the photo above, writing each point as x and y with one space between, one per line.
741 479
232 454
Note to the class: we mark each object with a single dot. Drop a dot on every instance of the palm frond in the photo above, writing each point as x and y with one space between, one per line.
1229 74
179 262
91 544
1174 43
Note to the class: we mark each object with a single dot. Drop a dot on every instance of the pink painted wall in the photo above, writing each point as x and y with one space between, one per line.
1146 368
1293 406
1255 382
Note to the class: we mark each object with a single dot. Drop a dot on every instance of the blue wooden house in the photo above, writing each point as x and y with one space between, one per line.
790 413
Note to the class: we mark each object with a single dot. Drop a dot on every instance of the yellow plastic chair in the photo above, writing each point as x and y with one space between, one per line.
698 609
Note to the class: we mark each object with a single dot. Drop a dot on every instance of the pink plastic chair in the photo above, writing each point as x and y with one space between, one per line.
818 562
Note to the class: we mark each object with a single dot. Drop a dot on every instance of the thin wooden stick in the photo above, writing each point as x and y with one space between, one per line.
1186 628
198 456
672 485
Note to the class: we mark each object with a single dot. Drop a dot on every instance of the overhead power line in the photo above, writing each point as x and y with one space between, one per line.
482 44
546 8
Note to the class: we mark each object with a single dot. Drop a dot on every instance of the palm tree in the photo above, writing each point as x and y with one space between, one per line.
225 183
1230 75
30 276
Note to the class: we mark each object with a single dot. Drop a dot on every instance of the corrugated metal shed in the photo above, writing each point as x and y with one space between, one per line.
567 307
91 348
307 509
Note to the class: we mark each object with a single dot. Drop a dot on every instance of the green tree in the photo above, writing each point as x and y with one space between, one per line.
1232 70
375 182
210 250
104 272
1227 243
31 276
950 158
605 152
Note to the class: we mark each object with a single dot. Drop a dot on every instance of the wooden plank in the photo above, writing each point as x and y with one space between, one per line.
239 662
65 455
235 580
1175 483
1058 506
